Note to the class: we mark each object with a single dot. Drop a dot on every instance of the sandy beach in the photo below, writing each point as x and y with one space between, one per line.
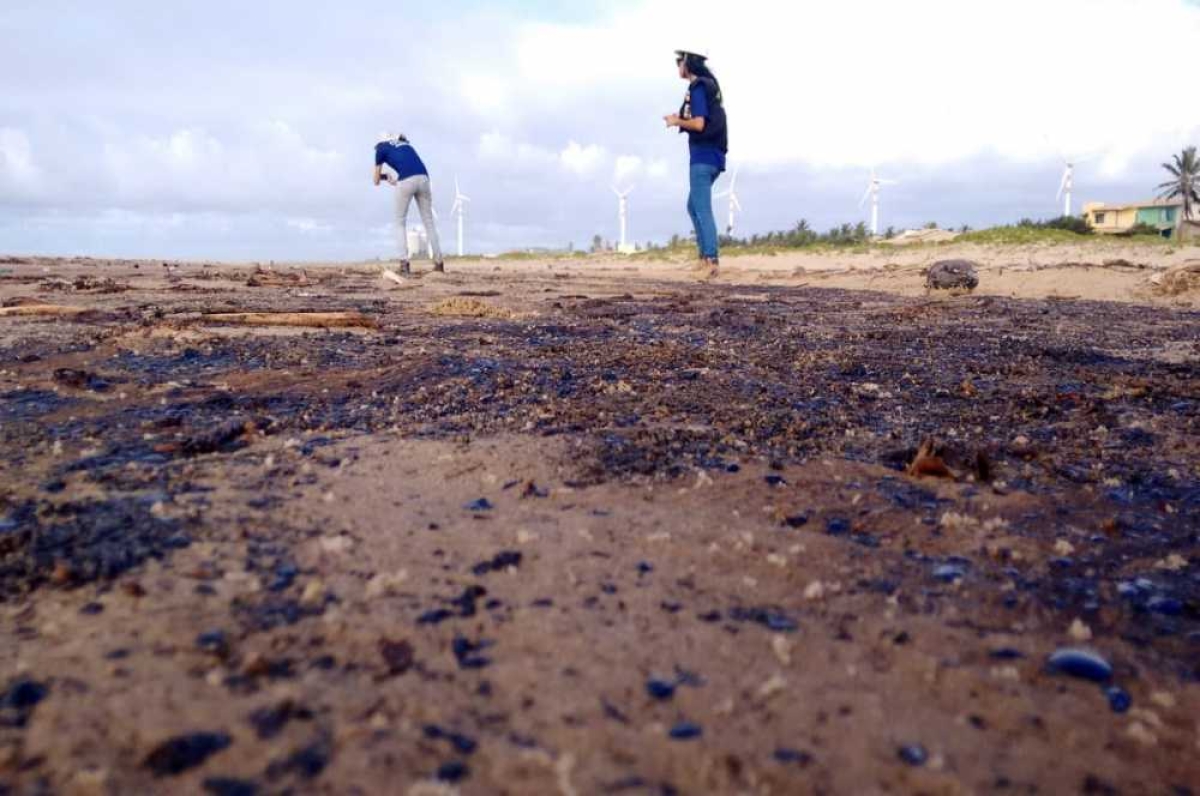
593 525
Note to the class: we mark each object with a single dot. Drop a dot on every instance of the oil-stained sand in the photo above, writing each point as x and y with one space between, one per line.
640 536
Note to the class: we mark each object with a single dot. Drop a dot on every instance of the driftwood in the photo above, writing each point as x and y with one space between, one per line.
43 309
321 320
263 277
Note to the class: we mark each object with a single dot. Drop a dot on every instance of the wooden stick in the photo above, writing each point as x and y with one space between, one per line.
323 320
42 309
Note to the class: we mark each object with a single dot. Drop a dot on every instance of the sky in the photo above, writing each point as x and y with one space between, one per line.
229 130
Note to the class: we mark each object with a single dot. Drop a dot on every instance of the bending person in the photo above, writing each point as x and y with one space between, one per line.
411 179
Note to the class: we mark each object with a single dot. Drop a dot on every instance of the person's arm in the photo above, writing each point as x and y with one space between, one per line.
378 174
695 124
699 103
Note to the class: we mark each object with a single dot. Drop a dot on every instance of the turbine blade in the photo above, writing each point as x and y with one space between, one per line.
736 203
866 196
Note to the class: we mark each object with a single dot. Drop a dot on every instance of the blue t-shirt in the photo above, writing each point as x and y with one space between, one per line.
706 154
401 157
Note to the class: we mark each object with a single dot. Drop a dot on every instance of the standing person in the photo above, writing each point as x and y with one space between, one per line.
702 117
411 179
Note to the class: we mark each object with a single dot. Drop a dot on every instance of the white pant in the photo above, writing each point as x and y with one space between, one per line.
418 188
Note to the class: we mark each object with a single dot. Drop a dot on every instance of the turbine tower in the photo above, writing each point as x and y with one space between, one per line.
1067 187
623 211
459 209
873 194
734 204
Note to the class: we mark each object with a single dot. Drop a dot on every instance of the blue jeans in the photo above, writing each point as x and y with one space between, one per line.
701 210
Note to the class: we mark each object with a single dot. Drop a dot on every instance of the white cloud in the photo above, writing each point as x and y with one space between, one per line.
309 226
18 174
582 160
628 167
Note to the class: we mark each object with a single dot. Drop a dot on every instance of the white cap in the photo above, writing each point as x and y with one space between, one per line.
385 138
701 52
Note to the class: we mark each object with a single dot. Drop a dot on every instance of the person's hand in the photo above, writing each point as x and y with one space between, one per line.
672 120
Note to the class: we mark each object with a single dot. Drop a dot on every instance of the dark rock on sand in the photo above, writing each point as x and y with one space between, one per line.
953 275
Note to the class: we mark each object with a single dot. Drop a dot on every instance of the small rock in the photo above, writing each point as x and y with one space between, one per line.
1164 699
1081 663
1140 733
1063 547
782 648
466 652
786 755
949 573
453 771
183 752
1118 699
953 275
270 721
814 591
17 703
499 563
480 505
226 786
776 685
314 593
384 584
913 754
214 642
660 689
398 656
1079 631
686 731
1173 563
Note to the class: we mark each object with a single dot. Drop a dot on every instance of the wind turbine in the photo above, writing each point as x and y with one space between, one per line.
873 194
459 209
1067 186
623 211
734 204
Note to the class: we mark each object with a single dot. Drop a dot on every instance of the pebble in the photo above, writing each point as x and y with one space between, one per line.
776 685
948 573
814 591
482 504
1140 733
1080 631
19 700
226 786
775 480
660 689
398 656
1164 699
466 652
1118 699
384 584
183 752
1173 563
686 731
837 526
782 648
499 563
453 771
314 593
796 521
913 754
787 755
1080 663
214 642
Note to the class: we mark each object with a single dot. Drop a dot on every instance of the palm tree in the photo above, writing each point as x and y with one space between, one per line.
1184 182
